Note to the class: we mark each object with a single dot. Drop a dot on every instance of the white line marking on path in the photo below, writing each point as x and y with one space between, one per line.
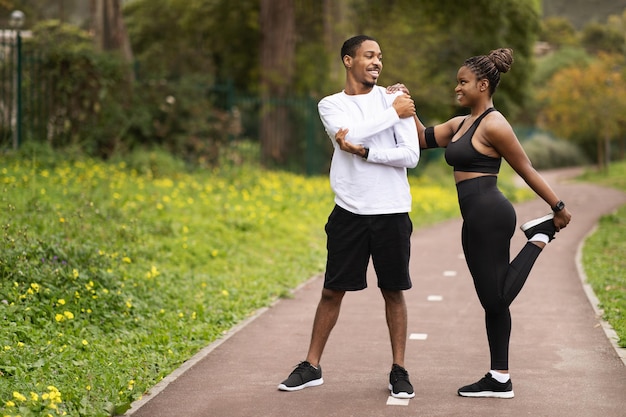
435 298
449 273
418 336
397 401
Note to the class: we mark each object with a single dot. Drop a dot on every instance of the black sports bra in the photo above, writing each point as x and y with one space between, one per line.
462 155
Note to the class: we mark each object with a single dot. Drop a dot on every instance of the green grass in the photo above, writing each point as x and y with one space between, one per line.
113 274
603 255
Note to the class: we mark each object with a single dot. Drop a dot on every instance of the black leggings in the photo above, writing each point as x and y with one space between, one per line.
488 225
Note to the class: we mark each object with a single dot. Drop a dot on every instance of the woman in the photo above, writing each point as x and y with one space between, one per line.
475 145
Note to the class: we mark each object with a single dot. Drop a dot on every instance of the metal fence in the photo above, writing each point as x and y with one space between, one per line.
23 85
10 89
310 148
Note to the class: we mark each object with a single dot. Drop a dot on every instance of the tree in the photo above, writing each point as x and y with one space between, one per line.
588 104
110 32
424 46
109 29
215 39
597 38
278 29
558 32
562 58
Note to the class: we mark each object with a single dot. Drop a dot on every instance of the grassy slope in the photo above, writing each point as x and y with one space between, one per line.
603 255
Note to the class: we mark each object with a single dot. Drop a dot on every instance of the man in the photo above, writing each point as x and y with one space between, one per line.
375 141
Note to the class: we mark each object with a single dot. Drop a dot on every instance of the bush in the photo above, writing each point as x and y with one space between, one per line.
83 91
547 153
91 105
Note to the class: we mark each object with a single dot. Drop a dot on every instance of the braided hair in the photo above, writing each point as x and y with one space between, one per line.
491 66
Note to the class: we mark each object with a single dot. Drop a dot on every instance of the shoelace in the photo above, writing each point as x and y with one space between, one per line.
302 367
398 373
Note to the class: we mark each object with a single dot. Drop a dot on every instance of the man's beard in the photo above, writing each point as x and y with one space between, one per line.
369 84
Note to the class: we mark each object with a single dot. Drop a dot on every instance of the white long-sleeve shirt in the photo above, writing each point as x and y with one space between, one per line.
378 185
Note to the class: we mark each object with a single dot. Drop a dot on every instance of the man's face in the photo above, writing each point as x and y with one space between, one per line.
367 63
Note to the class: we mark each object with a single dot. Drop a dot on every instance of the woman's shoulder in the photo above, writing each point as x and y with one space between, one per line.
495 120
495 126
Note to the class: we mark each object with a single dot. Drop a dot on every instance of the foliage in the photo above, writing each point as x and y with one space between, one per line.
577 100
404 30
412 39
90 105
182 117
565 57
558 32
579 87
581 12
114 274
83 90
598 38
187 50
546 152
172 39
603 260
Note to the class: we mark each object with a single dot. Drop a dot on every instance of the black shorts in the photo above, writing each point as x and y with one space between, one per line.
353 238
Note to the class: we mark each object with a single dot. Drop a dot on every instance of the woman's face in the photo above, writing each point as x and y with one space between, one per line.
468 88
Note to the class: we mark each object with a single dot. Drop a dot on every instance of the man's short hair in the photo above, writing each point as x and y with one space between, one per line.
352 45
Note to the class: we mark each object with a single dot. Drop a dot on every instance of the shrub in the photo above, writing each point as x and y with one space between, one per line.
83 91
547 153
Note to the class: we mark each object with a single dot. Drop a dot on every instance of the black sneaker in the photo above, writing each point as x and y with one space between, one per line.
305 375
488 387
399 383
543 225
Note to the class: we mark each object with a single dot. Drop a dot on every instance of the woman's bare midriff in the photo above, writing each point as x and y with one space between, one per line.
462 176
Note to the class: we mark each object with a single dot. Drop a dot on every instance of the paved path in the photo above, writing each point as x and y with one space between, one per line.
562 362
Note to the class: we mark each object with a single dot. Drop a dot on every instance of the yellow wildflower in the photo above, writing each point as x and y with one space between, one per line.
19 397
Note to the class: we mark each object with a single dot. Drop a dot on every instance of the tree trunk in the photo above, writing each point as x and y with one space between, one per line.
278 27
607 152
332 39
109 29
601 148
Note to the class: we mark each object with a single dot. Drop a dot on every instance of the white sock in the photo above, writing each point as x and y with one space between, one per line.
499 376
540 237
